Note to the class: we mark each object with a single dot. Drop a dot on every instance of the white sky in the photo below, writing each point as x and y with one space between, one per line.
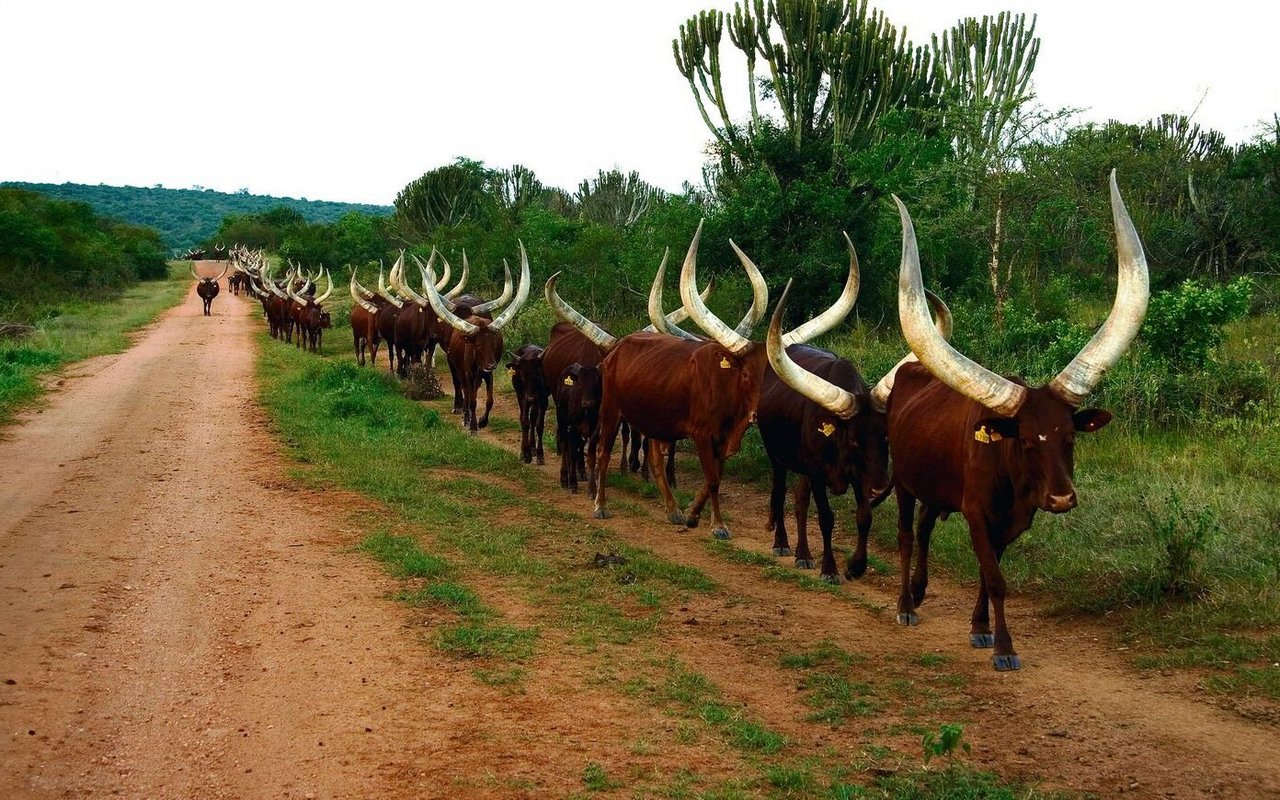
352 101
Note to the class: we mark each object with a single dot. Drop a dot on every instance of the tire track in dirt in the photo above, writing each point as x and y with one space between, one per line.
1075 715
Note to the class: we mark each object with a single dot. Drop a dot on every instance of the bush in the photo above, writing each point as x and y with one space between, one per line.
1185 325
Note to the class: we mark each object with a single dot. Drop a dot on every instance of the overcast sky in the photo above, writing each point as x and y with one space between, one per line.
352 101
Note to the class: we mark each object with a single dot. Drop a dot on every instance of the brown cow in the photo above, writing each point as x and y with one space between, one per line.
365 306
670 388
310 318
993 448
577 393
207 289
476 346
532 392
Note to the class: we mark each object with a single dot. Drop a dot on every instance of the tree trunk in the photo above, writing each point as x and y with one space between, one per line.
999 288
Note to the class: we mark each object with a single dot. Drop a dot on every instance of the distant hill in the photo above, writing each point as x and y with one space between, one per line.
186 217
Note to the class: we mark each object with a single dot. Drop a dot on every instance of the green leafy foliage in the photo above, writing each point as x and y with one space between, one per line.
1185 325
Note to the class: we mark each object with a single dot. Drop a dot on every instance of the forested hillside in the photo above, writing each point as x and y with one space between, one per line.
186 217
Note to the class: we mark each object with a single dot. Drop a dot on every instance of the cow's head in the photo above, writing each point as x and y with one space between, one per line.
482 335
850 432
1040 441
1033 428
578 393
525 368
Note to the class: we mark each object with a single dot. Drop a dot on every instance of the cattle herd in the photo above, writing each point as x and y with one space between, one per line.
942 432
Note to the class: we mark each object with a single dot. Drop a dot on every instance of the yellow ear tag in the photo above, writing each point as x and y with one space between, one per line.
511 370
568 380
826 429
985 436
724 363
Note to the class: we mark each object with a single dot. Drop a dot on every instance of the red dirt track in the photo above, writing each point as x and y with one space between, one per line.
180 620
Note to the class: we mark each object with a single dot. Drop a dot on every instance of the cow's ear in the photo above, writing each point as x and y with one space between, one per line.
1091 419
993 429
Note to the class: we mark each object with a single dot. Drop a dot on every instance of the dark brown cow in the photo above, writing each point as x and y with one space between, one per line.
993 448
310 318
670 389
577 393
531 393
819 419
207 289
476 346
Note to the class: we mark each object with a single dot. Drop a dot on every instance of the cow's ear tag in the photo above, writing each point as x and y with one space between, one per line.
826 429
568 380
985 436
724 363
511 371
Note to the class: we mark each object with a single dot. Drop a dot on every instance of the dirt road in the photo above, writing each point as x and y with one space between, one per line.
181 620
178 620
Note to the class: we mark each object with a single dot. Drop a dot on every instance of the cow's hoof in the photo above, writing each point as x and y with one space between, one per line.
601 513
856 569
1007 663
782 551
804 563
832 579
722 533
542 462
573 490
676 518
910 619
982 641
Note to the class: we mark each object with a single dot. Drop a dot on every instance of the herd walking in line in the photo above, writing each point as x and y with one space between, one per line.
941 432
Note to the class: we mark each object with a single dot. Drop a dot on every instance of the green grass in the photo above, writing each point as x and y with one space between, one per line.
79 330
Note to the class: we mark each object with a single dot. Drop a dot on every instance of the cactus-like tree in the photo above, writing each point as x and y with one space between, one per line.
515 189
445 196
831 67
614 199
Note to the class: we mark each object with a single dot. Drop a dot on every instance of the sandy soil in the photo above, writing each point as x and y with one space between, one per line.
181 620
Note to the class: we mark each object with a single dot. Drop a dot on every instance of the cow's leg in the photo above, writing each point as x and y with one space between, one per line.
800 500
777 510
457 389
993 588
573 454
857 563
487 377
374 341
827 524
562 438
629 439
924 532
526 428
610 421
592 440
539 426
906 516
674 516
359 349
634 464
711 466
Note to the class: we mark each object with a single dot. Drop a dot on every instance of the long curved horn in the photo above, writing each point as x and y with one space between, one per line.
402 286
522 293
841 402
759 294
357 299
839 309
942 322
680 314
328 291
599 336
437 305
971 379
729 339
500 300
224 272
444 279
192 266
656 317
365 294
462 281
382 290
1133 289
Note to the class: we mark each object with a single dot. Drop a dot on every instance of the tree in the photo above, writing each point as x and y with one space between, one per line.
833 69
613 199
446 196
